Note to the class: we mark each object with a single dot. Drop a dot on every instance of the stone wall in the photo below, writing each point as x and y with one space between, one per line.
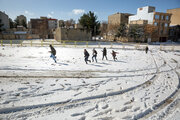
72 34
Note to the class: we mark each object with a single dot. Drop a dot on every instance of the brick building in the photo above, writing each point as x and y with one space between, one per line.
39 27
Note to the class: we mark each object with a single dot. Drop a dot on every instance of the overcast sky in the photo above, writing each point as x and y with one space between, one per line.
66 9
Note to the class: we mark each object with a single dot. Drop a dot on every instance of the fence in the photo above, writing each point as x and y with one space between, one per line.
85 44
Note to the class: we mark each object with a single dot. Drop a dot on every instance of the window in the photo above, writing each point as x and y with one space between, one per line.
162 17
166 25
167 17
162 25
155 24
165 31
161 31
156 16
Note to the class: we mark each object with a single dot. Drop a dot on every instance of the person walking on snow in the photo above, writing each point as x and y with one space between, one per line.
104 53
146 49
53 53
114 55
86 56
94 55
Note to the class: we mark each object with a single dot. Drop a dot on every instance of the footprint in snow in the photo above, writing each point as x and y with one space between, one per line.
136 109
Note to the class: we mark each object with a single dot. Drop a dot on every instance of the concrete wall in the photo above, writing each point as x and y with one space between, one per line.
175 18
13 36
72 34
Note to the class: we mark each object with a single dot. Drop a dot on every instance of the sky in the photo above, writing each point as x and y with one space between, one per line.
67 9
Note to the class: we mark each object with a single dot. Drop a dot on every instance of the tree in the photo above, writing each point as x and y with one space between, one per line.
122 30
103 28
70 23
16 22
1 25
150 31
89 22
24 24
112 29
136 32
11 23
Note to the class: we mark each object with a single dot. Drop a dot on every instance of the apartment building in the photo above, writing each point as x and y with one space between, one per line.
158 19
4 20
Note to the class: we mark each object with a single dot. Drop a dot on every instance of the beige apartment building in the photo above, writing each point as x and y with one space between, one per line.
175 18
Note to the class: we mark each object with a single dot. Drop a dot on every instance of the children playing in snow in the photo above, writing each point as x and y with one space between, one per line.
114 55
94 55
104 53
53 53
146 49
86 56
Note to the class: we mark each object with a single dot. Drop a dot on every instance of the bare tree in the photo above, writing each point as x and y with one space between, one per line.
70 23
150 31
103 28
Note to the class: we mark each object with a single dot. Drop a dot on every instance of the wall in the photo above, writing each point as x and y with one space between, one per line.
13 36
72 34
175 18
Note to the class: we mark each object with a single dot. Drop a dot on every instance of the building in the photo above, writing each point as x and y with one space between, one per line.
4 20
52 23
39 27
174 30
175 18
22 19
114 22
139 22
174 33
158 19
118 18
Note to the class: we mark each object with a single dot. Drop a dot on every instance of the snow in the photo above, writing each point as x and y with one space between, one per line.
137 86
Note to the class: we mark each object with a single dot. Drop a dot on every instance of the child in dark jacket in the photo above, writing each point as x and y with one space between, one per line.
86 56
94 55
114 55
104 53
53 53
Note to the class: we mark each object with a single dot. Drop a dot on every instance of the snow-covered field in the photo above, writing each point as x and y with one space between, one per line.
137 86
